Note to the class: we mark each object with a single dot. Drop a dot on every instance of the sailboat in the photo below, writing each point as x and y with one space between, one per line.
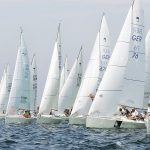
94 73
5 91
18 108
123 82
70 88
33 80
49 102
64 74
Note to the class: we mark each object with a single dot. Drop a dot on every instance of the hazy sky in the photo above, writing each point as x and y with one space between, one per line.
40 18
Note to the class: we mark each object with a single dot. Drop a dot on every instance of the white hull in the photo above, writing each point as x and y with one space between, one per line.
77 120
104 122
92 122
51 119
147 123
18 119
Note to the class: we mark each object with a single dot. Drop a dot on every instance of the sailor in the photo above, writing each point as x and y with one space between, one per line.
37 109
91 96
67 112
120 111
135 114
27 114
51 113
142 116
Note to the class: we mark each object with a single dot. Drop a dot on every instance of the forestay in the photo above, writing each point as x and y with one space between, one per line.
96 67
71 86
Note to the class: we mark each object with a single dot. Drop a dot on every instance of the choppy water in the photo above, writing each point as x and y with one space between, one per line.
64 136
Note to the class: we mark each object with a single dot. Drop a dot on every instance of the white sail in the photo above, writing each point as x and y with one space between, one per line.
50 95
20 90
71 86
1 82
108 94
33 80
64 74
5 90
147 70
133 82
94 72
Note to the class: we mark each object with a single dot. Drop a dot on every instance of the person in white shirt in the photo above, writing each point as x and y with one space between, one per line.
134 114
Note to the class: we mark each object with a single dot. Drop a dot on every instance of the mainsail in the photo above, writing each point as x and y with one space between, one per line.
133 82
50 95
20 90
96 67
108 94
71 86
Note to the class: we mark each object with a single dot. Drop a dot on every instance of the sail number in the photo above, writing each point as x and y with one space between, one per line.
136 38
102 68
135 55
105 56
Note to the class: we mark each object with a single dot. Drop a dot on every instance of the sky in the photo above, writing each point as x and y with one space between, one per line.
80 21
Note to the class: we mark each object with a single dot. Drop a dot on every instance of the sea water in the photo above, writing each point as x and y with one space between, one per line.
70 137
